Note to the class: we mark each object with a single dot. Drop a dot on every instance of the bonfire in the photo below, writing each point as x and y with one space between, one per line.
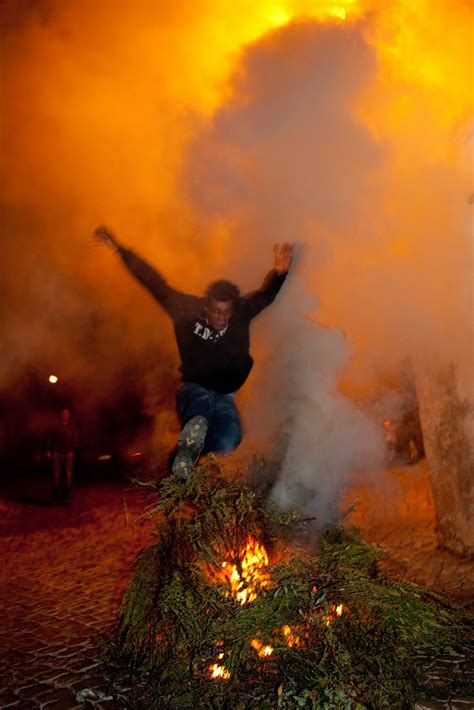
224 610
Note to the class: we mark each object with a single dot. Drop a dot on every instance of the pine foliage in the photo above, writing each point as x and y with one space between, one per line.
178 618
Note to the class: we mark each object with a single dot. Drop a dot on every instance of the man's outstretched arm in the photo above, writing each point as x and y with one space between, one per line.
266 294
150 278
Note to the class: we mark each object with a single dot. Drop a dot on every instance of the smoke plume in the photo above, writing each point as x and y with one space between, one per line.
288 157
204 132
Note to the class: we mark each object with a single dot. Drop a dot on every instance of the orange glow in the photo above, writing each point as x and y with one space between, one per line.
247 576
110 128
339 12
263 651
219 672
335 612
291 638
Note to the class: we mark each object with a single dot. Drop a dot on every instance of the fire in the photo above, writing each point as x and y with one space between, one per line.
218 671
263 651
247 576
53 379
335 611
300 636
291 638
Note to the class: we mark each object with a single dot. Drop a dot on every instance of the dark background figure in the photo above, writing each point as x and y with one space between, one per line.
213 337
63 444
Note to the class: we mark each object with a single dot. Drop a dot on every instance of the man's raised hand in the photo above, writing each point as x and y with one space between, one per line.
283 255
103 235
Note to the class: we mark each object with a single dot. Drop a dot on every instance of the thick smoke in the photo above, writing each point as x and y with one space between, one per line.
97 99
287 160
350 138
310 148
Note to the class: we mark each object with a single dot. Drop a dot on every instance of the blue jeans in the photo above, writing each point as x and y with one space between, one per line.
224 433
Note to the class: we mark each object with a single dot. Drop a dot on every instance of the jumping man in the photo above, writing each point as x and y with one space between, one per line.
212 334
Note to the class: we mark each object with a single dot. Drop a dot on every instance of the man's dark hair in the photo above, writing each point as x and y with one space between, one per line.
222 291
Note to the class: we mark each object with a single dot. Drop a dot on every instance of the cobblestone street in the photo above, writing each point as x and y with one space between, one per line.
63 573
64 570
396 510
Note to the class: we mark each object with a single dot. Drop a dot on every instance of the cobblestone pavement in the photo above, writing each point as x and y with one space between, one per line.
395 509
64 571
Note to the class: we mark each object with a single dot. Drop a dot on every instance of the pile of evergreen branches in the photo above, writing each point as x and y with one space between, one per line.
178 620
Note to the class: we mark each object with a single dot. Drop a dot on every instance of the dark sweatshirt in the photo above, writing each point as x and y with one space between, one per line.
219 361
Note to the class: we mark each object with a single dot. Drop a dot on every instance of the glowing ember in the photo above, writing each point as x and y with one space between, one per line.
263 651
290 636
334 612
299 636
219 672
53 379
247 576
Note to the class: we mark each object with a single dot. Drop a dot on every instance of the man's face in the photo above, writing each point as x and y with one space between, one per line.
219 313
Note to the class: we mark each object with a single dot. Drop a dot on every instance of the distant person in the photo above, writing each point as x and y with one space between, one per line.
63 445
212 333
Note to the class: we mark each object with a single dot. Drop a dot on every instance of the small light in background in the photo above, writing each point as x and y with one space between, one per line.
53 379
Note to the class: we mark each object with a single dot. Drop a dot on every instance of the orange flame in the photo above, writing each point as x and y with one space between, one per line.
263 651
248 576
220 672
300 636
290 636
334 612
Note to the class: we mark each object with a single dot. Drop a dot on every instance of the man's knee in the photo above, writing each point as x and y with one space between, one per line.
193 400
228 440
